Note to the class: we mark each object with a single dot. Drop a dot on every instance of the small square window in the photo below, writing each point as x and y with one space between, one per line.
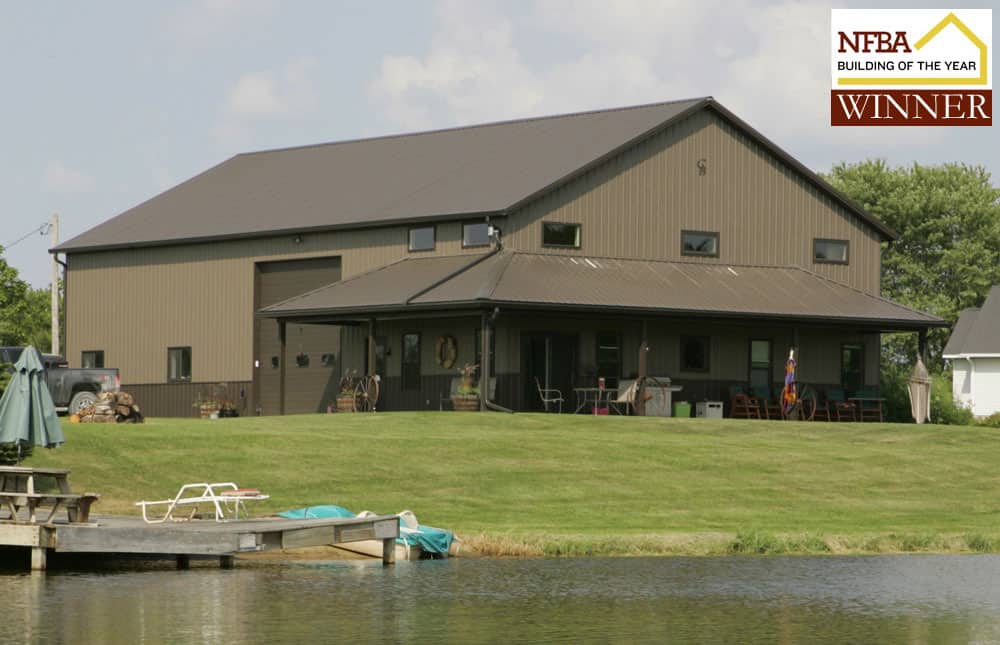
422 238
561 234
701 243
178 364
92 359
694 353
475 234
830 251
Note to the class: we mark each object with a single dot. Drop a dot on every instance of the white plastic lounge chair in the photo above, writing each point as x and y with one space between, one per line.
226 498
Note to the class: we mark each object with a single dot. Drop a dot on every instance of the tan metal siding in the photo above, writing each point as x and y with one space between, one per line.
637 203
135 303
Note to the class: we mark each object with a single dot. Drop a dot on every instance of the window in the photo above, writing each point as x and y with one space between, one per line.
411 361
178 364
760 363
479 351
561 234
700 243
830 251
852 367
609 358
475 234
92 359
422 238
694 353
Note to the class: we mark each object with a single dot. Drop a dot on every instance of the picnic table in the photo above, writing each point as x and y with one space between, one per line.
20 488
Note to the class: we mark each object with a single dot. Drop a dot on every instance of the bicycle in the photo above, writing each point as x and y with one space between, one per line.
366 393
804 408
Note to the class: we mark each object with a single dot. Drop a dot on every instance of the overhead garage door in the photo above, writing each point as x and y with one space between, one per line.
312 352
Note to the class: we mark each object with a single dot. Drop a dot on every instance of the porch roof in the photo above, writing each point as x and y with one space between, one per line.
549 281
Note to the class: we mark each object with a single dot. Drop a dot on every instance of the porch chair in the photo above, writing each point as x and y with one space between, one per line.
871 409
742 405
771 408
842 408
549 395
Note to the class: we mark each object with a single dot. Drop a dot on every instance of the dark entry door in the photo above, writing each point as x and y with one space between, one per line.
550 358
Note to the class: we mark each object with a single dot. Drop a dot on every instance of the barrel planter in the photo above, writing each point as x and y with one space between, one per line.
465 403
345 403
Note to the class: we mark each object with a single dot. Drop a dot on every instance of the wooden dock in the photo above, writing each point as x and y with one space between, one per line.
111 534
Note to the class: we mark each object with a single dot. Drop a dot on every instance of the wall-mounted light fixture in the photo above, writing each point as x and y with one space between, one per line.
297 239
702 166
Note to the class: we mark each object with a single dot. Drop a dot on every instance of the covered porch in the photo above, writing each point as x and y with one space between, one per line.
560 322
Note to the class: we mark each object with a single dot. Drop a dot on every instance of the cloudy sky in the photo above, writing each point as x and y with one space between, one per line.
106 104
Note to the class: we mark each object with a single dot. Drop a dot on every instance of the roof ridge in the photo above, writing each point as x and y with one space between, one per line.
471 126
499 274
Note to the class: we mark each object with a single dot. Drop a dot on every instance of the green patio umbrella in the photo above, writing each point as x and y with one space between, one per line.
27 413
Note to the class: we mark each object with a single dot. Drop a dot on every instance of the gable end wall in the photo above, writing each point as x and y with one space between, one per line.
636 204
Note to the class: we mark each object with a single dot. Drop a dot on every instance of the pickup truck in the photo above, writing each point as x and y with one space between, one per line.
71 388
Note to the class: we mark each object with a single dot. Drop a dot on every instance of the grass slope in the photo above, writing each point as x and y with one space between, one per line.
532 484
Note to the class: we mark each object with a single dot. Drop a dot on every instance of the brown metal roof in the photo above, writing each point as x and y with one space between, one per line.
483 169
977 331
477 169
538 280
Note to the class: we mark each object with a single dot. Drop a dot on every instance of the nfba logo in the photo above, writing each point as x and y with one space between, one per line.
911 67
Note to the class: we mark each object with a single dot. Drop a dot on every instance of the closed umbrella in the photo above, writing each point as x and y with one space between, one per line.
788 394
27 413
919 387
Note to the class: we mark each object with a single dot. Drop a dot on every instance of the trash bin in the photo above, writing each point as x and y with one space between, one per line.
682 409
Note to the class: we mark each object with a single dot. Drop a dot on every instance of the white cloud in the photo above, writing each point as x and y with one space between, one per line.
289 93
60 179
769 64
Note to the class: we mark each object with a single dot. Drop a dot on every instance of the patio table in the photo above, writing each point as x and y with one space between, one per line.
866 411
593 396
19 488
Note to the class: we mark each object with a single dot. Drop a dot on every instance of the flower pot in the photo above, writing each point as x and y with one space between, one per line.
206 411
345 403
465 403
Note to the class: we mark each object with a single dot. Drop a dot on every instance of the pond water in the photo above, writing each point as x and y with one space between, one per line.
880 599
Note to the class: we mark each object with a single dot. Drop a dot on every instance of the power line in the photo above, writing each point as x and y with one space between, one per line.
41 230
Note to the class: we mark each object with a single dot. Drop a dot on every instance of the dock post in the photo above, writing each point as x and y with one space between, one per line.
227 561
38 556
388 551
183 562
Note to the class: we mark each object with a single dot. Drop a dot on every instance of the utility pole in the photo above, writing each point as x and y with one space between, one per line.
54 230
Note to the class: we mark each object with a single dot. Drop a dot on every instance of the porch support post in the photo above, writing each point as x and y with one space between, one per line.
640 395
371 347
281 374
484 369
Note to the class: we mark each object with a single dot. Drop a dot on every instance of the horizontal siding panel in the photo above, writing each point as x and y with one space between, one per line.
636 204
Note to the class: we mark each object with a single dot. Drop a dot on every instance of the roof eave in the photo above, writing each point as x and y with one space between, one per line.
256 235
882 324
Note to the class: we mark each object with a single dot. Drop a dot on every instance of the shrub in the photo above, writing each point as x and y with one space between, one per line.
944 408
992 421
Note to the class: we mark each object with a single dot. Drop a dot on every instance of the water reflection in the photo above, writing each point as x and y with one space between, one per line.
913 599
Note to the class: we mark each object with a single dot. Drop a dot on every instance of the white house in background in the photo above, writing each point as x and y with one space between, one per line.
974 352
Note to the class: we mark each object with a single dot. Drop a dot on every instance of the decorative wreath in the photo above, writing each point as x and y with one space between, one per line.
446 351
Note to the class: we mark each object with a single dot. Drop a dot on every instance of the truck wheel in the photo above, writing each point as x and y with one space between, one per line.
80 400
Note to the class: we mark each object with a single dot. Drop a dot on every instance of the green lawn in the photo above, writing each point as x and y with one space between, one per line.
532 483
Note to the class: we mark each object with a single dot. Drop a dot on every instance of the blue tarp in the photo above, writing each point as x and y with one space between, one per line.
430 539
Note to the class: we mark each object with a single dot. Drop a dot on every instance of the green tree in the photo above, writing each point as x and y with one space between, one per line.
25 313
948 252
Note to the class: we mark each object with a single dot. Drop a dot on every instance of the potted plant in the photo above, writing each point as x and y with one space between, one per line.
466 397
348 387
